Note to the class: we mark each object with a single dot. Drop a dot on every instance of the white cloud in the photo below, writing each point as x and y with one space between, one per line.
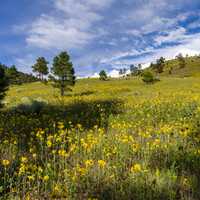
190 45
95 75
114 73
98 38
48 32
71 28
25 63
157 24
172 36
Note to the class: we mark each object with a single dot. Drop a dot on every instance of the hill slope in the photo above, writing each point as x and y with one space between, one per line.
117 139
191 69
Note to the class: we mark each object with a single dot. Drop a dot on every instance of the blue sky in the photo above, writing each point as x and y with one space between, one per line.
98 34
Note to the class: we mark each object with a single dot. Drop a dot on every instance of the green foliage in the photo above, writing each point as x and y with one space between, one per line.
159 66
181 60
102 75
41 67
148 77
63 73
16 77
95 145
3 84
115 140
180 67
133 68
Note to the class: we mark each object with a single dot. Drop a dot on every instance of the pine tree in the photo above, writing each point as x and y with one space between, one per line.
12 74
159 66
120 71
3 84
41 67
63 73
103 75
181 60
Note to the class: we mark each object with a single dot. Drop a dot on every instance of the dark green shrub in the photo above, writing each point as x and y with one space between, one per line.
3 84
103 76
148 77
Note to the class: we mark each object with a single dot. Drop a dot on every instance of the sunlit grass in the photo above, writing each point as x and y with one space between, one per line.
118 139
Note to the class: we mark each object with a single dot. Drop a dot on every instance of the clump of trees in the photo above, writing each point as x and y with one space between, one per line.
63 74
16 77
62 71
103 76
136 70
122 71
3 84
158 67
41 68
181 60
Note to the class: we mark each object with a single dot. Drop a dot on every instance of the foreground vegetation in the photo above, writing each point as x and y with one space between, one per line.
119 139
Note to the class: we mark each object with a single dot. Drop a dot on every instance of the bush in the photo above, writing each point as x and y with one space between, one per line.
3 84
103 76
148 77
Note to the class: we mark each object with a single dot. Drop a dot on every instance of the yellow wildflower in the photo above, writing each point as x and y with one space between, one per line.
136 168
89 163
46 178
24 159
101 163
5 163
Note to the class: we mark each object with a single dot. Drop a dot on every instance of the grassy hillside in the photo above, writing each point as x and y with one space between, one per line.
95 89
117 139
192 68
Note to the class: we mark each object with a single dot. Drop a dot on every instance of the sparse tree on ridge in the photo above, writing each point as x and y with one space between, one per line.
133 69
139 66
102 75
181 60
12 74
120 71
63 73
41 67
3 84
159 66
124 71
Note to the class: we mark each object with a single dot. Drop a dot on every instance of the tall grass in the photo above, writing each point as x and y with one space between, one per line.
124 140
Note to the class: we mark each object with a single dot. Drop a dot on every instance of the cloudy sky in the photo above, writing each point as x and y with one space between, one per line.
98 34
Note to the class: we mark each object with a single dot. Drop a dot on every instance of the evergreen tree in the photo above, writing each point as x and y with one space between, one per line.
3 84
103 75
63 72
120 71
159 66
181 60
133 69
139 66
12 74
124 70
41 67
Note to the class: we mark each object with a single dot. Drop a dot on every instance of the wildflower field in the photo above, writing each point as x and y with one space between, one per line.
117 139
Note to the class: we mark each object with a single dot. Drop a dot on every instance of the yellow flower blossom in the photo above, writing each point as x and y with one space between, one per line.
136 168
101 163
5 163
89 163
46 178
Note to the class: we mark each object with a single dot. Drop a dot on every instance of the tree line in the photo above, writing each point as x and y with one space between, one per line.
16 77
148 76
62 74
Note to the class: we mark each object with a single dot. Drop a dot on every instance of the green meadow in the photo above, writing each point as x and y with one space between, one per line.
115 139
